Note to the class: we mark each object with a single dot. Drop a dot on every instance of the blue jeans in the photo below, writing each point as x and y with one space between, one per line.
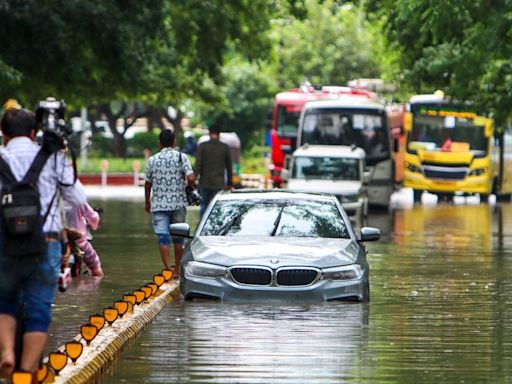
161 221
30 282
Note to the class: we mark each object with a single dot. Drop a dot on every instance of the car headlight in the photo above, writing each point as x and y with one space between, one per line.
477 172
348 198
349 272
198 269
413 168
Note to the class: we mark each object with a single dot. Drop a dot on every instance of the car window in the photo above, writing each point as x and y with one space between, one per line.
275 218
328 168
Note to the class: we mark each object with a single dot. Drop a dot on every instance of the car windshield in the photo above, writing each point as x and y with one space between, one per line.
299 218
328 168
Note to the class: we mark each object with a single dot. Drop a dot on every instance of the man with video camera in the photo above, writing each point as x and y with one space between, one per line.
30 248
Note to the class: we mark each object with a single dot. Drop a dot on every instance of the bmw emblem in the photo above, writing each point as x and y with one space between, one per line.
274 261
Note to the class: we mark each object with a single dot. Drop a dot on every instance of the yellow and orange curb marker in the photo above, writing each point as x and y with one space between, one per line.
126 319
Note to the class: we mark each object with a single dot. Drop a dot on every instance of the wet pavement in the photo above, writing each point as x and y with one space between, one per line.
440 309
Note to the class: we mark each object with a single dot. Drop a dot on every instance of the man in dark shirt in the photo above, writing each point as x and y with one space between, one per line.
213 167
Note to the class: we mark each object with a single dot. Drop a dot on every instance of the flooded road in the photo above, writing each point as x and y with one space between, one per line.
440 309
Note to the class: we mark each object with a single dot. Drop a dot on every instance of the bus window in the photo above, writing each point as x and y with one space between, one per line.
287 121
365 129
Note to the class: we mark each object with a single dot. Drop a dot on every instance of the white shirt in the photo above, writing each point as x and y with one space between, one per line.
57 174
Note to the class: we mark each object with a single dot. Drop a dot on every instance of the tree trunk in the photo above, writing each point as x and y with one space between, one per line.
119 142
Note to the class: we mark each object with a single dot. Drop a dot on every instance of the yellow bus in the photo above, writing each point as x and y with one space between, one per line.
448 148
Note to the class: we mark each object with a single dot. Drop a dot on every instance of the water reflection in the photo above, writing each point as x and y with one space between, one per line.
129 253
222 343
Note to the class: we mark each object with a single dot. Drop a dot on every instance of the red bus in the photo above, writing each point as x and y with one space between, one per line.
285 119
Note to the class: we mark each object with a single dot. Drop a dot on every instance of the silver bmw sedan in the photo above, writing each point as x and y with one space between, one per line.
273 245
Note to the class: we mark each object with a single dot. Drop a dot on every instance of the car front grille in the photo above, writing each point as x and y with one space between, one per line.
296 276
251 276
445 173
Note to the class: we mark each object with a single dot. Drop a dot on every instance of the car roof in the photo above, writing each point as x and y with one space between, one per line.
330 150
274 194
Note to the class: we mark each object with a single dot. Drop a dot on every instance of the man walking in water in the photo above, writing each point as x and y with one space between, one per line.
167 174
213 167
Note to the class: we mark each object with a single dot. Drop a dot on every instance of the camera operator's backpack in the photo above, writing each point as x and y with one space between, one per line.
20 218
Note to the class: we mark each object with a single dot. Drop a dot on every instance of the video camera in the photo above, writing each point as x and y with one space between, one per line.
50 117
193 198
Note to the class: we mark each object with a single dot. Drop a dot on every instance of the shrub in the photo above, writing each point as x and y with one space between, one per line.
135 146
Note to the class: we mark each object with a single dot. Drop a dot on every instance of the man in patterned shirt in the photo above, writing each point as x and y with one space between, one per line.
167 174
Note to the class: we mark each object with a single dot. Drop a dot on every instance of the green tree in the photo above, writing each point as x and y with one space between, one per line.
93 53
332 44
90 52
82 50
246 95
460 47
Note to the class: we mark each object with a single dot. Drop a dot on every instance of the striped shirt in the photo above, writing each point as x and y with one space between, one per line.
57 175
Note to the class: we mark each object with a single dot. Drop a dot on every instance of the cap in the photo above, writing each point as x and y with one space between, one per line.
11 103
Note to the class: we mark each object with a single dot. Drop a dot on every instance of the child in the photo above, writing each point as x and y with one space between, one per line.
78 219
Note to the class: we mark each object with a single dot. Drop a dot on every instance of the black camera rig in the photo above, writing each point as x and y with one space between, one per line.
50 117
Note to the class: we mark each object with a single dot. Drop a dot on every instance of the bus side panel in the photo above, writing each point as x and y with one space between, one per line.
380 188
506 183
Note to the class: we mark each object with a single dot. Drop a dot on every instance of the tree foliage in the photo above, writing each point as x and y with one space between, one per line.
246 96
460 47
88 51
332 44
80 50
326 42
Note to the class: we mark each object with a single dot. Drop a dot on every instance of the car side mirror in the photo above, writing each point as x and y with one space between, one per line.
369 234
366 177
180 230
287 149
288 162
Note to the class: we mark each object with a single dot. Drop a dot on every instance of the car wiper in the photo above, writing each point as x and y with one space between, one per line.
276 222
225 229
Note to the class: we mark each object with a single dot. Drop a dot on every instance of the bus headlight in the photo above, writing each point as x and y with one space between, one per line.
413 168
198 269
477 172
349 272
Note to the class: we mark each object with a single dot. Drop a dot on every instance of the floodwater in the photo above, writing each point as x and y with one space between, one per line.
440 310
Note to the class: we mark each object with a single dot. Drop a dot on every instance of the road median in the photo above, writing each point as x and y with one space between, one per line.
102 351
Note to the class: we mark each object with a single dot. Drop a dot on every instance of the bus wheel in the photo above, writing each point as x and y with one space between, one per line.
417 196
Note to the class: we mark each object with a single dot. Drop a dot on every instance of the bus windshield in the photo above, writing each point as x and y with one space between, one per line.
329 168
366 129
447 134
287 120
